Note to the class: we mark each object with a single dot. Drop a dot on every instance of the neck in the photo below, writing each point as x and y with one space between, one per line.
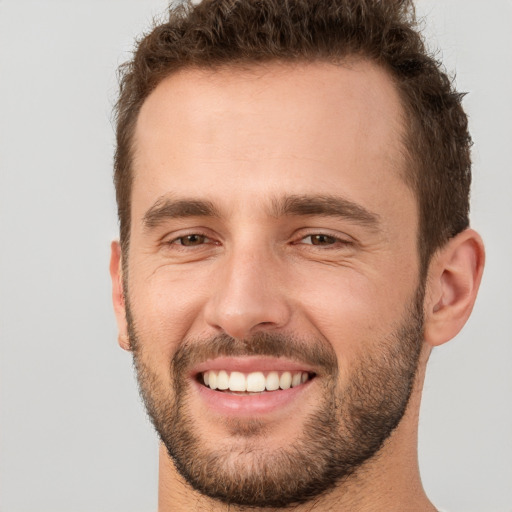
388 481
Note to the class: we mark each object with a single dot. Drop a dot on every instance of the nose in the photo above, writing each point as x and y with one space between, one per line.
247 295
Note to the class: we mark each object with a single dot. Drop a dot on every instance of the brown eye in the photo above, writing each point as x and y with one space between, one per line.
322 239
192 240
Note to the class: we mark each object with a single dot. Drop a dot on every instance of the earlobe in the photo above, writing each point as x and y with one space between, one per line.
454 278
118 299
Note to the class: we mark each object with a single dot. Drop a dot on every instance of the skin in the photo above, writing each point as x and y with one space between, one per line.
243 139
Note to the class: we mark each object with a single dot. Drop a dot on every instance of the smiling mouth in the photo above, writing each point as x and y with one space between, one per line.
253 382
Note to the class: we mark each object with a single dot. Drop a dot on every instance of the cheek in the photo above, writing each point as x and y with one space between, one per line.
164 306
353 311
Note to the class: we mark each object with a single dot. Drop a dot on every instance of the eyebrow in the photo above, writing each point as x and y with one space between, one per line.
325 206
166 208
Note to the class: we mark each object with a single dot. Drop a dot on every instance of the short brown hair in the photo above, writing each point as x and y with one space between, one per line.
222 32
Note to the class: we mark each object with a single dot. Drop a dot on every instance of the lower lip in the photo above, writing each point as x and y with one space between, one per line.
267 402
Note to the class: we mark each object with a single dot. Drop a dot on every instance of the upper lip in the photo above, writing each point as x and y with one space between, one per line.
249 364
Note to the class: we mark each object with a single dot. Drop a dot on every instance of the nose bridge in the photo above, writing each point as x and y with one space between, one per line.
247 295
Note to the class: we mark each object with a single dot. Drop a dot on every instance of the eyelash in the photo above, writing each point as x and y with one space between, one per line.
174 241
335 241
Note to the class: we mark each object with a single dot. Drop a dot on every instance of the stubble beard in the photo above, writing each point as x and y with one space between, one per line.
347 428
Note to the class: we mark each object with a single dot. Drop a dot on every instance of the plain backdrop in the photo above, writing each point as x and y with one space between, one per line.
73 434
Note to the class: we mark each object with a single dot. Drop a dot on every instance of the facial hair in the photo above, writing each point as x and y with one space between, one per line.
347 428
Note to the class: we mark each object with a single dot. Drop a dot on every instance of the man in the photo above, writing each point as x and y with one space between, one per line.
292 181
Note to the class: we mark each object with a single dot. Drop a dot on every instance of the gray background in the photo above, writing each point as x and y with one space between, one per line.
73 434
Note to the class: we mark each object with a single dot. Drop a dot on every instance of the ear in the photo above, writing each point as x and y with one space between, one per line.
118 295
453 280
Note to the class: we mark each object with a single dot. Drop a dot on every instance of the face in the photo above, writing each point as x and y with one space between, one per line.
271 283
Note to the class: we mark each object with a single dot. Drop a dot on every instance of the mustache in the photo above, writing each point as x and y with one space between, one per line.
311 352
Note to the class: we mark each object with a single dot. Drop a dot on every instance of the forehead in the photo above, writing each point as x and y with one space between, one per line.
304 127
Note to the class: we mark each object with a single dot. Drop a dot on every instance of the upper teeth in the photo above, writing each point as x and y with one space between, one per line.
253 382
